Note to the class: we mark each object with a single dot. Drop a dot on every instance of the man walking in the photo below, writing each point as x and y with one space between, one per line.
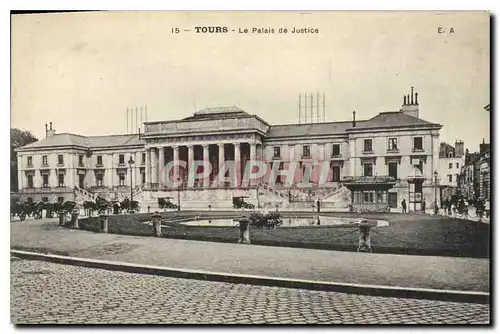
403 205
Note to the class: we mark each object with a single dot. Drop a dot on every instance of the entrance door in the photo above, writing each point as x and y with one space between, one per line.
393 200
81 177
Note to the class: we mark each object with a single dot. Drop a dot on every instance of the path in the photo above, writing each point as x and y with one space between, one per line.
451 273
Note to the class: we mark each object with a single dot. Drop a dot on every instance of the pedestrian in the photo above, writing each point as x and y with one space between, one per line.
423 205
403 205
479 208
318 205
487 208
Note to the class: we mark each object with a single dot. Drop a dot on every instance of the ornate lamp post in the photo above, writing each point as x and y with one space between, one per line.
435 192
131 163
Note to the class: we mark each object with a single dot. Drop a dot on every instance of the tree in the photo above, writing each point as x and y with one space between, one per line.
18 138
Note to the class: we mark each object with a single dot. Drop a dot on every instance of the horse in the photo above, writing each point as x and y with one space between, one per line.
89 207
115 205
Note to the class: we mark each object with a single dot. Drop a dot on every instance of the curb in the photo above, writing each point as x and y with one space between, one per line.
372 290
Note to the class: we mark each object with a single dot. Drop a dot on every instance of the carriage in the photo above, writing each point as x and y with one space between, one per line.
165 203
20 209
268 220
239 202
130 206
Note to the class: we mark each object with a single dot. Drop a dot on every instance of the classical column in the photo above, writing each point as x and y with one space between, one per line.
176 160
154 166
161 167
137 168
253 157
237 163
206 180
190 161
148 166
221 163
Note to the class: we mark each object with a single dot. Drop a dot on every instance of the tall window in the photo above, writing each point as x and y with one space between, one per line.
336 173
121 159
449 177
450 165
367 169
30 161
277 152
121 179
417 143
335 150
367 145
393 169
99 180
45 180
44 160
393 144
30 181
368 197
61 180
418 187
99 160
306 151
143 158
60 159
457 165
80 160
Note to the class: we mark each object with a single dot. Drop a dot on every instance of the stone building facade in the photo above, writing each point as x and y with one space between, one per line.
397 143
475 174
451 160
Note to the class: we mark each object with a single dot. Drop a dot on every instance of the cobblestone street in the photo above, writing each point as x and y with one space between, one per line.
43 292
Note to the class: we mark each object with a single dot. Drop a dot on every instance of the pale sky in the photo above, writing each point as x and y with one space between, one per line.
82 71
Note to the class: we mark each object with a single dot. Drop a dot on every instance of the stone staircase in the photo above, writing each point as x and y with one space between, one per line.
82 195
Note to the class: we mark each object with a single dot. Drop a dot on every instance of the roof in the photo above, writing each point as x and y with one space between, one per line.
384 119
394 119
217 113
292 130
69 139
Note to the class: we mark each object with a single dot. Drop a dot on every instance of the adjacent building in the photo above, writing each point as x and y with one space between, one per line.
475 175
451 160
397 144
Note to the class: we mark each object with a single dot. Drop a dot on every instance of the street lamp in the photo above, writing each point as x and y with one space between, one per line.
178 194
130 163
435 192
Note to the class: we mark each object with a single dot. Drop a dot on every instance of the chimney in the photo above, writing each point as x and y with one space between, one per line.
410 104
46 129
404 100
459 148
354 119
51 131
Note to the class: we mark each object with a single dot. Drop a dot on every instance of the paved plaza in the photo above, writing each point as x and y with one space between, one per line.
44 292
429 272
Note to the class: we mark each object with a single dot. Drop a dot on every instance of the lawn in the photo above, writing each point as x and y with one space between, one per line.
407 234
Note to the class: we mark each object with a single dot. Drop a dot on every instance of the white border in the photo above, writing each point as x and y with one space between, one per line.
195 5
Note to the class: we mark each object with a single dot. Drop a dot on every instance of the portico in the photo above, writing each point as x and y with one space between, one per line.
212 137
